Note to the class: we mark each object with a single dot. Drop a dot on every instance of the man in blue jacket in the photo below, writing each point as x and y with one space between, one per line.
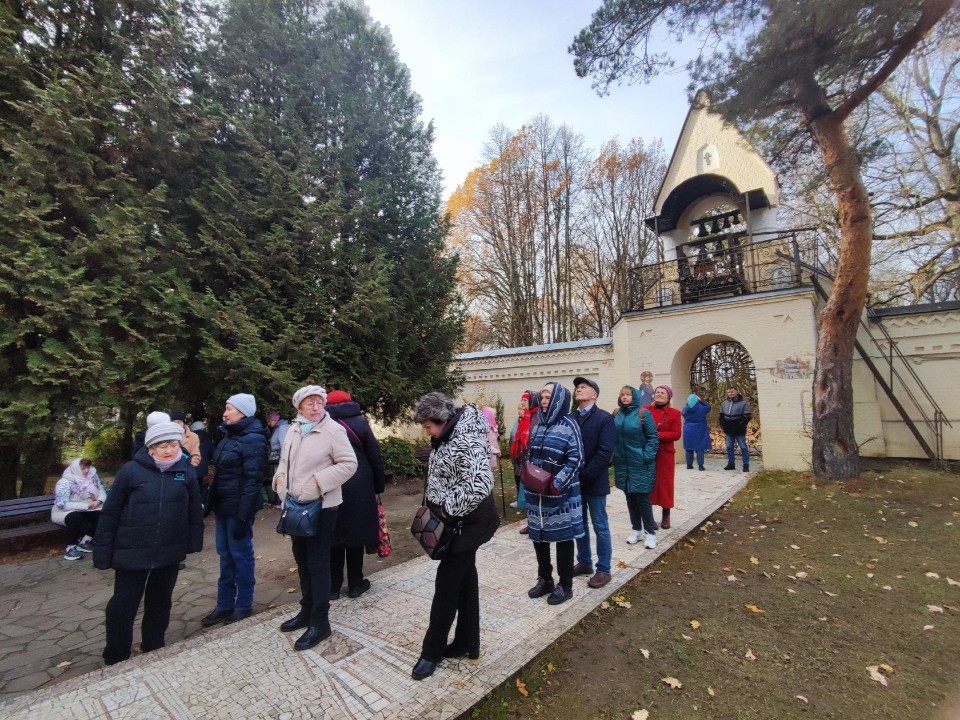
598 434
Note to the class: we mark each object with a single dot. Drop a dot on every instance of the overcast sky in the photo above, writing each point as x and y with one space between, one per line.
478 63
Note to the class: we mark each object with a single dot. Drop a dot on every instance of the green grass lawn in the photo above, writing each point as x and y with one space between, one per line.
775 608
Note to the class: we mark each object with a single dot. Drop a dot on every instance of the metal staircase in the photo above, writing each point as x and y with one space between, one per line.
891 377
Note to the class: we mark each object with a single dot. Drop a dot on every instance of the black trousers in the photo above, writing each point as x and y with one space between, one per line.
354 559
155 587
456 594
81 522
565 551
641 512
313 566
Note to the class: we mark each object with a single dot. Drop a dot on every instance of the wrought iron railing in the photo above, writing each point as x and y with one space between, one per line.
725 266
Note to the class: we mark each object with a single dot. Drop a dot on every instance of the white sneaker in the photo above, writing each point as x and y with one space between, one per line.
651 542
72 553
85 547
633 538
514 504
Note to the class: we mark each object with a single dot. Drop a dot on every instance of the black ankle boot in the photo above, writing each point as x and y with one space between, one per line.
300 620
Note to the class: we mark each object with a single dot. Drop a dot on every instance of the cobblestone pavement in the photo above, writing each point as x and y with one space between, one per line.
51 627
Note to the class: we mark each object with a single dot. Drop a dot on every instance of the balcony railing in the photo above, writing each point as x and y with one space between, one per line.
724 266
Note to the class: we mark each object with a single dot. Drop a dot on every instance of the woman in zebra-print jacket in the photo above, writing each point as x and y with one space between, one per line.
459 485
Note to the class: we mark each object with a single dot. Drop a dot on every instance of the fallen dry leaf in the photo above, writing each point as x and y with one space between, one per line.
685 637
65 663
714 552
732 578
622 564
694 624
933 576
291 590
928 627
645 653
672 682
640 715
876 675
604 605
935 608
750 655
952 582
754 561
710 692
879 539
887 587
754 609
802 698
912 524
549 667
829 594
522 687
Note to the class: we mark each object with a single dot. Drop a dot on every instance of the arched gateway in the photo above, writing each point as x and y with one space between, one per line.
730 279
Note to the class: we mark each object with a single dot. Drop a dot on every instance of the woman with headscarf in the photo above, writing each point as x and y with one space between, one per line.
530 402
316 460
634 463
557 516
668 424
696 433
151 519
458 490
77 500
358 524
234 499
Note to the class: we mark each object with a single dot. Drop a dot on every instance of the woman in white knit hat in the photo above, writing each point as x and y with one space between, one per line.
316 459
157 490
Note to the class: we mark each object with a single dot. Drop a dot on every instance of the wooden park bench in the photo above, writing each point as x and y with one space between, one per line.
25 522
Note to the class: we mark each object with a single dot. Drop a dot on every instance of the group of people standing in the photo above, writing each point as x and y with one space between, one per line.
152 516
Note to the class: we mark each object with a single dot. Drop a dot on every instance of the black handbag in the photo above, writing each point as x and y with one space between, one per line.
299 519
434 535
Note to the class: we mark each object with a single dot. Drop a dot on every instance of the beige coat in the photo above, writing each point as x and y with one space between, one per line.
191 443
320 462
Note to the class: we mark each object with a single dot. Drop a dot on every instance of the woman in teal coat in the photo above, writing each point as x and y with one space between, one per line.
634 456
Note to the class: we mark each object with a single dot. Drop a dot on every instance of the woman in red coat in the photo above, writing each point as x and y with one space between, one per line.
668 425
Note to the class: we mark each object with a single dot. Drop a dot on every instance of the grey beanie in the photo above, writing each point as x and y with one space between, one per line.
157 417
305 392
197 425
163 431
244 403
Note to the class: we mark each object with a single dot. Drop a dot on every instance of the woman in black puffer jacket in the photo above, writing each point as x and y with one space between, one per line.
151 519
234 499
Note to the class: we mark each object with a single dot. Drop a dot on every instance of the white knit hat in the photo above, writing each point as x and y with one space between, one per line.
245 403
162 431
305 392
157 417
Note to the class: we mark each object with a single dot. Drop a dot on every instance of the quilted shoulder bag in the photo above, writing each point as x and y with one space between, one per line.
535 478
434 535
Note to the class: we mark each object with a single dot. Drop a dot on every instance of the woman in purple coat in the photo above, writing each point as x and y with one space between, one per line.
696 432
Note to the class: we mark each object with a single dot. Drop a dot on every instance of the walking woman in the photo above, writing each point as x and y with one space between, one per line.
234 499
668 422
156 491
634 463
458 490
556 517
358 524
316 460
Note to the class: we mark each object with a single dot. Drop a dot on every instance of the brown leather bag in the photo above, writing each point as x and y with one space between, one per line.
535 479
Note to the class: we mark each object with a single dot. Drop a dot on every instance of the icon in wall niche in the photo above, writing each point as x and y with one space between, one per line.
646 387
791 368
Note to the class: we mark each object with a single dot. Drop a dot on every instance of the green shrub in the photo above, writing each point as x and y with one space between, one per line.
398 456
104 449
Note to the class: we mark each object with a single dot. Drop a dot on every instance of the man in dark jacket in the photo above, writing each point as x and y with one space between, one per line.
598 435
151 519
734 416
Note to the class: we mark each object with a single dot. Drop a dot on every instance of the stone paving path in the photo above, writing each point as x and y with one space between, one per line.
250 670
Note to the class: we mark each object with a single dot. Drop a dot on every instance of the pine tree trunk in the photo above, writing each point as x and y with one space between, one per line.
9 466
39 454
835 450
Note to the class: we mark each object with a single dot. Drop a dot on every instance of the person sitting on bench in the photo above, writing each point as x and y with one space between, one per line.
76 505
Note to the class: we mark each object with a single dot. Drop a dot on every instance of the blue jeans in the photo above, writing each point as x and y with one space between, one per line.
740 440
235 586
596 507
